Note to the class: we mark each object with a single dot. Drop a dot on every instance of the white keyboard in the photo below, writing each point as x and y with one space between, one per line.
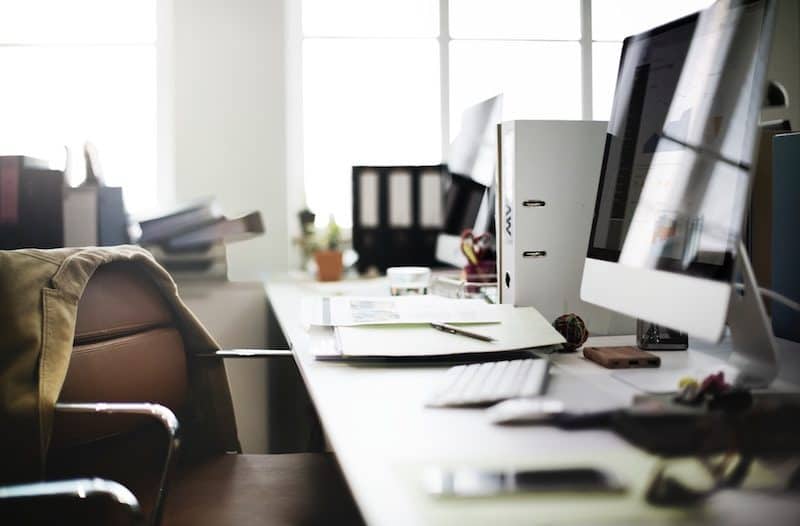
483 384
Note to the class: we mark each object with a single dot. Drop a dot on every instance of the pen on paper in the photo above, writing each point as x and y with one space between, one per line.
457 330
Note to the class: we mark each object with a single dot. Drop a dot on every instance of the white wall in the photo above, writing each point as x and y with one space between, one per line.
227 112
236 314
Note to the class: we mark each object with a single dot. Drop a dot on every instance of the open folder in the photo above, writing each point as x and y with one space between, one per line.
519 329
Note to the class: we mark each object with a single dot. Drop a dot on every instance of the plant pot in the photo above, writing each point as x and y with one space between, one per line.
329 265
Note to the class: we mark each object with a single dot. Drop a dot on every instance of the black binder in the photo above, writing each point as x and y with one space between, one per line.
397 215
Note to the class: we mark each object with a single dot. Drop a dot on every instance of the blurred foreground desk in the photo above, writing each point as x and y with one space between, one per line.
384 438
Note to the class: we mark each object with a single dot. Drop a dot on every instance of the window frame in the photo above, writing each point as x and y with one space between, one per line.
295 38
445 38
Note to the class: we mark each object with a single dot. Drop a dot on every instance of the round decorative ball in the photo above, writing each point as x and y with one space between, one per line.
573 329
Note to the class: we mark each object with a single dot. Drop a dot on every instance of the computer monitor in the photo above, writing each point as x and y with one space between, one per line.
473 152
676 172
471 163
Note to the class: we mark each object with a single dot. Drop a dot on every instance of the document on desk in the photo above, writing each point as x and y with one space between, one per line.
518 329
390 310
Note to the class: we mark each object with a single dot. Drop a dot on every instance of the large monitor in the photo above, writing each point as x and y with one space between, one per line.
676 172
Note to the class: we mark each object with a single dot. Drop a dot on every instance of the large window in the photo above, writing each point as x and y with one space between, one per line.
386 81
82 70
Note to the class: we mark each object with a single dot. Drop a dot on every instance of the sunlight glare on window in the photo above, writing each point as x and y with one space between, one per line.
605 63
85 72
370 18
77 21
539 80
516 19
616 19
366 102
104 94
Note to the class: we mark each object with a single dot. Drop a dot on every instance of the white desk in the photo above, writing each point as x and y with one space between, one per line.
384 437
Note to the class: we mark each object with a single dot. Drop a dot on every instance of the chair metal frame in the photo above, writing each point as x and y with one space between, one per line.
77 489
159 412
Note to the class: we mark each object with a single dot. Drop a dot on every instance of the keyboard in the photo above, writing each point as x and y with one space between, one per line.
483 384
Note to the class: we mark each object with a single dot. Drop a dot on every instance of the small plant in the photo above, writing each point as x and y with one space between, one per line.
331 237
327 255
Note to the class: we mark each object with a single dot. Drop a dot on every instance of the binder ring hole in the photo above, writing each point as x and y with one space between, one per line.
534 253
533 202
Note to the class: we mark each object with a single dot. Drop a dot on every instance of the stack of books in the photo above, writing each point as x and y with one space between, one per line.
190 241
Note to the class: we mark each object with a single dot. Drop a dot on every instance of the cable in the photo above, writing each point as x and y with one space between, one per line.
774 296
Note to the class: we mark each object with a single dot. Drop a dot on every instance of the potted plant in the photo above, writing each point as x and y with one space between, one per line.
328 254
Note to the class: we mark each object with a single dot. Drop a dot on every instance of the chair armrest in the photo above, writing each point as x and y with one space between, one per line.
247 353
157 411
77 489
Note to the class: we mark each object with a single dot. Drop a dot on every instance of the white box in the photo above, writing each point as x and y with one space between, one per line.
548 174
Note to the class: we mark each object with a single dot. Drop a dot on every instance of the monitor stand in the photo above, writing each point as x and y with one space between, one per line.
753 362
754 345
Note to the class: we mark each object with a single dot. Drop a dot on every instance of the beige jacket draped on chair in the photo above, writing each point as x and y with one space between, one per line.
39 294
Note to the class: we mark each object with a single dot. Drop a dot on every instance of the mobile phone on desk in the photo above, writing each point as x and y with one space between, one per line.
473 482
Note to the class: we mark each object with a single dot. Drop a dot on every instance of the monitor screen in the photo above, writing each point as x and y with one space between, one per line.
676 170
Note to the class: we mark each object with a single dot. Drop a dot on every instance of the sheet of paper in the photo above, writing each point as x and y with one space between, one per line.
349 310
519 328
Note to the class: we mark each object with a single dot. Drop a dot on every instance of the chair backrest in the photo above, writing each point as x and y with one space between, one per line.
126 349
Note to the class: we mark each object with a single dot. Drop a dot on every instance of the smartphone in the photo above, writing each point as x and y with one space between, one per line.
470 482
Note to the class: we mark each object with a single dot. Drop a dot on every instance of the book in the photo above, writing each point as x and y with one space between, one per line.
210 262
180 220
216 230
80 217
94 216
112 221
30 204
190 260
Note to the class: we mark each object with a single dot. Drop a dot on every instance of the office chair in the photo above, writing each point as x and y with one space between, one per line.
79 501
126 414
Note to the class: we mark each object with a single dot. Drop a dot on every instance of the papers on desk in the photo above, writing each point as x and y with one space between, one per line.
516 329
341 311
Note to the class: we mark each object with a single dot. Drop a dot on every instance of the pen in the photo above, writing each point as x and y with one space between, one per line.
456 330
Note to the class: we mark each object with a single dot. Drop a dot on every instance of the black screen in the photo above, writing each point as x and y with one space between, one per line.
676 170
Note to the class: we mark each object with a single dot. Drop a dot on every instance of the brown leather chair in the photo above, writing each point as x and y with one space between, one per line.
127 349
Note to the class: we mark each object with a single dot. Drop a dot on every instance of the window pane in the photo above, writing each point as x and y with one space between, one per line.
605 64
513 19
539 80
371 18
77 21
617 19
366 102
67 95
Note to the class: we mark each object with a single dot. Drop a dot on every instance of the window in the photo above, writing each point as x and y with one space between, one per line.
386 81
77 71
612 21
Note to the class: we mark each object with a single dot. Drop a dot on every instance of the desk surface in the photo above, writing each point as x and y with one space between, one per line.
385 438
